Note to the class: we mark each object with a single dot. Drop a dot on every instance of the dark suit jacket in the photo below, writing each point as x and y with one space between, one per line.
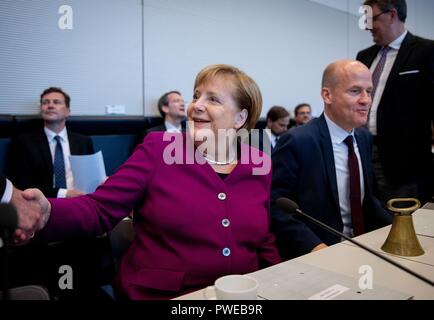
304 171
31 164
259 139
2 185
160 128
406 111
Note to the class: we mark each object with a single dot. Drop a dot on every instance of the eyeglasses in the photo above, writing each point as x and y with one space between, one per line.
379 14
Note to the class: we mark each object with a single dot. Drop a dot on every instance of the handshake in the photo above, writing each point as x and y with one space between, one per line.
33 211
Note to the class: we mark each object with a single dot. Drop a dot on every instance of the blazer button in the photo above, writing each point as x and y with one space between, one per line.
222 196
226 252
226 223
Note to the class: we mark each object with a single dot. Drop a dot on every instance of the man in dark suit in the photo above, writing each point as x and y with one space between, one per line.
32 155
402 110
32 161
325 166
172 108
277 124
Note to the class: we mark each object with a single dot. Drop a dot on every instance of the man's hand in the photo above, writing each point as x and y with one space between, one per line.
29 212
36 195
33 211
319 247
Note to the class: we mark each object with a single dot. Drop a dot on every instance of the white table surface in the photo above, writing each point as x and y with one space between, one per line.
300 278
423 221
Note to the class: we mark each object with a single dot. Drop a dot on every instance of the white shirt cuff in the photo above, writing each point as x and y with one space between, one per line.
62 193
7 195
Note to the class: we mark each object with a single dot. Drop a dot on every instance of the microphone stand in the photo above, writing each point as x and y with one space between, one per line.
339 234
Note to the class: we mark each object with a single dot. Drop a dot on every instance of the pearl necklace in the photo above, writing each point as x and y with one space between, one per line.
218 163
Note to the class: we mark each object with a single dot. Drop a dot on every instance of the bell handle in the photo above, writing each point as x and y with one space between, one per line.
403 210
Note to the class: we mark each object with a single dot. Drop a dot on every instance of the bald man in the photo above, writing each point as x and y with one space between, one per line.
311 165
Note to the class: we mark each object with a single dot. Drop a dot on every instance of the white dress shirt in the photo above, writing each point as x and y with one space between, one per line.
390 60
340 153
273 138
171 128
66 153
7 195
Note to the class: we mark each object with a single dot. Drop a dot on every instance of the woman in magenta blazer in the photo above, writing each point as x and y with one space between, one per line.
201 205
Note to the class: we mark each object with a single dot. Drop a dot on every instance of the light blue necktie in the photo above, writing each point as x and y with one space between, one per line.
59 165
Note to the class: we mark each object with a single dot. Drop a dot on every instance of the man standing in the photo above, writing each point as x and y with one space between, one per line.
41 159
402 113
303 114
172 108
325 166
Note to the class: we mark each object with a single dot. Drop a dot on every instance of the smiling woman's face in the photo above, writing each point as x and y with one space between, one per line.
213 107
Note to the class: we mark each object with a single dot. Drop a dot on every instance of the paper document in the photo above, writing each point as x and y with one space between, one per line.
88 171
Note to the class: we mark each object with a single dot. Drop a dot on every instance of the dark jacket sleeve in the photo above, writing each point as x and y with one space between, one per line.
376 216
293 236
89 145
28 169
2 185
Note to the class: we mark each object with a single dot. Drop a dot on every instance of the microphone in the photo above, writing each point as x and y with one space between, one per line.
8 224
291 207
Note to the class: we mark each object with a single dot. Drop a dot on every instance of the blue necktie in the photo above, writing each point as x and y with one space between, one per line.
59 166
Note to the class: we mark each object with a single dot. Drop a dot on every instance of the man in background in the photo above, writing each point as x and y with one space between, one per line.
40 159
402 112
277 124
303 114
172 108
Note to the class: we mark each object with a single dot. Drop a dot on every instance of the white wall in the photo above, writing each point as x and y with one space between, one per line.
276 42
98 62
123 52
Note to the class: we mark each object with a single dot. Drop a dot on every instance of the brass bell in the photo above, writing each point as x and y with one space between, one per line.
402 239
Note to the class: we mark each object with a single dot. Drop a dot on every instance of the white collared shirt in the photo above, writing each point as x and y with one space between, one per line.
66 153
272 137
390 60
340 153
171 128
7 195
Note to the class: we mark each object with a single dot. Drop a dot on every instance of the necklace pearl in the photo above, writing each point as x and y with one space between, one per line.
218 163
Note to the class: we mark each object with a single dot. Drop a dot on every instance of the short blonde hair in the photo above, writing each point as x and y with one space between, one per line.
246 92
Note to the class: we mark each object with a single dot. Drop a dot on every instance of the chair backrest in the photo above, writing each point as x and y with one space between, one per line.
4 147
28 293
120 239
115 149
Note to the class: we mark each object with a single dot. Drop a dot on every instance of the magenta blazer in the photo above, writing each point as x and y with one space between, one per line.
191 226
